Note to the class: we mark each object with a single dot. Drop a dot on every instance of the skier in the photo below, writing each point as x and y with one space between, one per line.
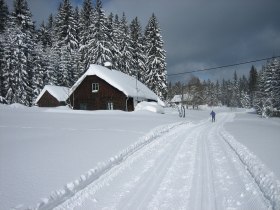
213 115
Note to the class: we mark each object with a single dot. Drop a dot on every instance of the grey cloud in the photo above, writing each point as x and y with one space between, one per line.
210 33
199 33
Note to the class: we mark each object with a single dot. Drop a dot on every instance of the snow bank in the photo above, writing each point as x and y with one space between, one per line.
149 106
70 189
17 106
266 180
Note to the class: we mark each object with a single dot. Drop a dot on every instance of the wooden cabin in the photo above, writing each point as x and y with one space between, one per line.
100 88
52 96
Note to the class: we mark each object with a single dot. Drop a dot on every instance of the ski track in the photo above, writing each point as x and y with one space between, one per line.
191 166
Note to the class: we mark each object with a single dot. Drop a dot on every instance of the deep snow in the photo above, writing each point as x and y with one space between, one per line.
41 150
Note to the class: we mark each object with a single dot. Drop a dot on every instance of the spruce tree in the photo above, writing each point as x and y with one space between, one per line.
138 54
65 26
21 43
235 98
125 47
44 35
4 15
114 34
271 87
50 31
155 59
276 88
85 23
97 48
4 18
260 95
66 30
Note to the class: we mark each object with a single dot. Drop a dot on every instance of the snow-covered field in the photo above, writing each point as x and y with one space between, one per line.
41 150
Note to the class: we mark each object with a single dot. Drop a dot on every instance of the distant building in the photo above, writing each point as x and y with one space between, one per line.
52 96
100 88
185 99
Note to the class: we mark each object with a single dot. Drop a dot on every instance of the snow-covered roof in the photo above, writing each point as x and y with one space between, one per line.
119 80
178 98
59 92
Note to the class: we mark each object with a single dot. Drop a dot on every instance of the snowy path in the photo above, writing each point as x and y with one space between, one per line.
192 166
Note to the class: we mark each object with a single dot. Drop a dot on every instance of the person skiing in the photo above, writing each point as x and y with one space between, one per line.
213 115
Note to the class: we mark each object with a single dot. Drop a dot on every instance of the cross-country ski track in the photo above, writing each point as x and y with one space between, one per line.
189 166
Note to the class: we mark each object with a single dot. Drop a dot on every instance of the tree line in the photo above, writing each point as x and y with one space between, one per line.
259 90
61 50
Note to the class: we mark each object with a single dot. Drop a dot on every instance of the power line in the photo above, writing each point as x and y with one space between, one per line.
224 66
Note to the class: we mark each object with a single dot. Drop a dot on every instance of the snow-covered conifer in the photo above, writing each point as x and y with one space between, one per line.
155 75
125 47
252 83
97 47
235 97
4 18
4 15
65 24
138 64
22 35
85 22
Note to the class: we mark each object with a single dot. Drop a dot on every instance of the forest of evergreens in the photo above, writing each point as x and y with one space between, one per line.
59 51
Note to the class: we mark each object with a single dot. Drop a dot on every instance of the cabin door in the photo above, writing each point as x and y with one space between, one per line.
110 106
83 106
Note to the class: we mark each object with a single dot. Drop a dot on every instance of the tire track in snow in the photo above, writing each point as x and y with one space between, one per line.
231 179
116 173
189 167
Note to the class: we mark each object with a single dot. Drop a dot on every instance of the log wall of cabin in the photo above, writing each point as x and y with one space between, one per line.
47 100
84 98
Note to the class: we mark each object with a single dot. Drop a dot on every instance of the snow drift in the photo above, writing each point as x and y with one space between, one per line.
265 179
149 106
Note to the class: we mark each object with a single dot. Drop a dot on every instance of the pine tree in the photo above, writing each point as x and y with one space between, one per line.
228 92
114 34
21 42
44 35
67 42
15 76
65 26
260 95
245 100
271 87
53 74
2 67
218 92
85 23
125 47
4 15
4 18
50 31
97 48
138 57
155 59
39 68
235 98
253 78
276 88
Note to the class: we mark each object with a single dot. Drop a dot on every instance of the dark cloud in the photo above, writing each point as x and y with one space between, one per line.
41 9
199 33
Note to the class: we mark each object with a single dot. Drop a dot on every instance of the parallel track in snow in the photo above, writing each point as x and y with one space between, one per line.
191 166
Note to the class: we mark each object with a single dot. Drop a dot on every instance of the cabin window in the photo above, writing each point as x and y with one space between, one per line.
95 87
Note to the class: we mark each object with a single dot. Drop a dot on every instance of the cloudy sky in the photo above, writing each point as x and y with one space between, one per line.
200 34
